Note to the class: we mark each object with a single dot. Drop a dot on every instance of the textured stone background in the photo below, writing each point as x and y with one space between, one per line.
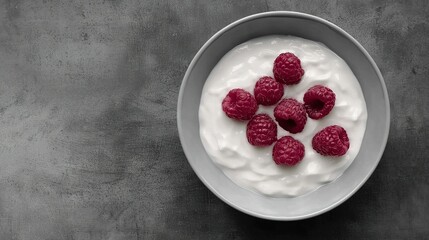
88 142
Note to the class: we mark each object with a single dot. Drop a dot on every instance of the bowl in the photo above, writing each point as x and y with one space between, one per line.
306 26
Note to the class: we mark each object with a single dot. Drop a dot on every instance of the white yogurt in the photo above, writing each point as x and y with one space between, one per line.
253 167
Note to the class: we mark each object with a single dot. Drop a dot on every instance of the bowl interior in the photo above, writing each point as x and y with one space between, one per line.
305 26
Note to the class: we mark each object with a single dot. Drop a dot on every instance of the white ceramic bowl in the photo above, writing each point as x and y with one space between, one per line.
305 26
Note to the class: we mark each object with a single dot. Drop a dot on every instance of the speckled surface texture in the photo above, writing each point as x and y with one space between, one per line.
89 147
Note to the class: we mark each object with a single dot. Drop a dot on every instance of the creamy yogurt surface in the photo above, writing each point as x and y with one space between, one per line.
252 167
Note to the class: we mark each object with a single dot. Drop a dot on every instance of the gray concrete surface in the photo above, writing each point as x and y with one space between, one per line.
88 142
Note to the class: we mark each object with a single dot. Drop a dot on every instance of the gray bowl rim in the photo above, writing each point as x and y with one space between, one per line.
295 15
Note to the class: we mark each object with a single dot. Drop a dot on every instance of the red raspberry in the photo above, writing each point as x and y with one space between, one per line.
290 114
287 69
331 141
261 130
239 104
288 151
319 101
268 91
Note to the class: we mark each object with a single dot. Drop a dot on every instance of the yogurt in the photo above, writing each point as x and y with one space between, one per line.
253 168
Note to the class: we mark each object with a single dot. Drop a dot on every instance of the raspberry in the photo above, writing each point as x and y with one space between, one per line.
319 101
268 91
288 151
261 130
239 104
287 69
290 114
331 141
